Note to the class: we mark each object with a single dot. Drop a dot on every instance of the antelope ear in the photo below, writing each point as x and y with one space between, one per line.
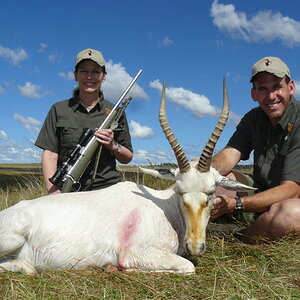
167 174
233 185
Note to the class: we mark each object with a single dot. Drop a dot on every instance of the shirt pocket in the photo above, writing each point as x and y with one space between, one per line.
68 136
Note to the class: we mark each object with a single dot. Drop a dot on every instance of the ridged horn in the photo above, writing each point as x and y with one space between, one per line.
182 161
207 153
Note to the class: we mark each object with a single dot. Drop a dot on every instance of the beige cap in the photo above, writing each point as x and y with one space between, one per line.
92 54
273 65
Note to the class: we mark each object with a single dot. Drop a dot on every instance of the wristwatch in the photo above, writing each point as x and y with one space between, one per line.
118 150
239 205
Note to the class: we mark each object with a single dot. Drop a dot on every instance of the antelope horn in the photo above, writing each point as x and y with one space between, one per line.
206 155
182 161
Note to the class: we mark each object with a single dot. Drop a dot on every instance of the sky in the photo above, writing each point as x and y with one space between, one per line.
191 45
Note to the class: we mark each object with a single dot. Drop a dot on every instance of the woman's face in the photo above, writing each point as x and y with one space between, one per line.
89 77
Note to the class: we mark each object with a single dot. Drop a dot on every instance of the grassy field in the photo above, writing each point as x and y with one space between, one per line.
228 270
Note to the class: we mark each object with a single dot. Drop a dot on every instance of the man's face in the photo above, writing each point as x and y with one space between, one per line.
273 94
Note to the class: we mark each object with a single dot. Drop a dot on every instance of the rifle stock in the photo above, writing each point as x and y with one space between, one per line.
74 173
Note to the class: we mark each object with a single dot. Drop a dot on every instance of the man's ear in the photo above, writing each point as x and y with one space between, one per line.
292 87
253 94
75 77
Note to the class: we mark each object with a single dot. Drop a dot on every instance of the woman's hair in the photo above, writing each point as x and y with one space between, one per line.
76 90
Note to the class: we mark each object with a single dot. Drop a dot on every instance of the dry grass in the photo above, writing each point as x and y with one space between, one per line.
228 270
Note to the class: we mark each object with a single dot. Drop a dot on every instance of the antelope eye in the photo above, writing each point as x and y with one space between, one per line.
210 197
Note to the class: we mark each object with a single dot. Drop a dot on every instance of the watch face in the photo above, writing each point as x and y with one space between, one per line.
239 203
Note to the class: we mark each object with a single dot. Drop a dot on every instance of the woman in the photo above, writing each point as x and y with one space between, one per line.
67 119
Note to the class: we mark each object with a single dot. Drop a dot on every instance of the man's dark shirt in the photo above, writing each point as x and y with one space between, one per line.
276 148
63 127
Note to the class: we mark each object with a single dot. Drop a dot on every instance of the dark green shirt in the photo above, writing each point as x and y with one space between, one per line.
63 127
276 148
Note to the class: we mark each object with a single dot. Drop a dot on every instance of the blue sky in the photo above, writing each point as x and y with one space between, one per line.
189 44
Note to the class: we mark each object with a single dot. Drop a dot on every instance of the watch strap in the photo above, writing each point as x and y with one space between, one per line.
118 150
239 205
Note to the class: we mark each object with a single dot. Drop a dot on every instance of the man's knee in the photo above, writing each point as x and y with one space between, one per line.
283 216
290 207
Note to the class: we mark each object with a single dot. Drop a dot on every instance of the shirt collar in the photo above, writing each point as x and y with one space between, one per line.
288 113
75 103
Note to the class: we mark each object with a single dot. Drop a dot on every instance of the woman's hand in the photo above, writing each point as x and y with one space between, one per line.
106 138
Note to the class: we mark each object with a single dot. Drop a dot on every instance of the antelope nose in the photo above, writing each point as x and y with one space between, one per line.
202 248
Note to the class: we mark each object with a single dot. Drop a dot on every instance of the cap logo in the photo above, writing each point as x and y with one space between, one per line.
267 62
90 53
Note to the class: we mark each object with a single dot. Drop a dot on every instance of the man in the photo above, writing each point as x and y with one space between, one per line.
272 131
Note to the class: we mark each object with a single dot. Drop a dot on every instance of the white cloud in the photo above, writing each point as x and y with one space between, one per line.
144 157
12 151
2 90
43 47
140 132
30 90
4 136
67 76
264 26
19 153
297 93
15 57
117 81
52 58
167 42
31 124
199 105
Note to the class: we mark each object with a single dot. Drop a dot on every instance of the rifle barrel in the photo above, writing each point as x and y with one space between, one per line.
102 126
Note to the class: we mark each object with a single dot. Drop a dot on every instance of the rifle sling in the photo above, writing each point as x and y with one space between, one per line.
89 187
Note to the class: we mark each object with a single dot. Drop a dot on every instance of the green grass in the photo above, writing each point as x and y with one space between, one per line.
228 270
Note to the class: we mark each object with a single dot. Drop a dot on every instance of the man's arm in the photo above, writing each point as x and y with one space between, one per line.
49 166
225 160
259 202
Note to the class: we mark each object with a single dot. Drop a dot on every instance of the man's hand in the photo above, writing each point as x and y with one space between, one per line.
222 205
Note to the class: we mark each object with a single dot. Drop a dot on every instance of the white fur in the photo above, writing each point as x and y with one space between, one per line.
82 230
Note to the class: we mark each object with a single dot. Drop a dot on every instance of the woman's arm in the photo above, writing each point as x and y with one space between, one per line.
49 166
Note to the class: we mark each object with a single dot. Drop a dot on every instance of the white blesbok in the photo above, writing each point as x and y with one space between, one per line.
125 226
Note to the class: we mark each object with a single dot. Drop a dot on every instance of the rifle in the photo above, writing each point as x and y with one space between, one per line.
72 168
